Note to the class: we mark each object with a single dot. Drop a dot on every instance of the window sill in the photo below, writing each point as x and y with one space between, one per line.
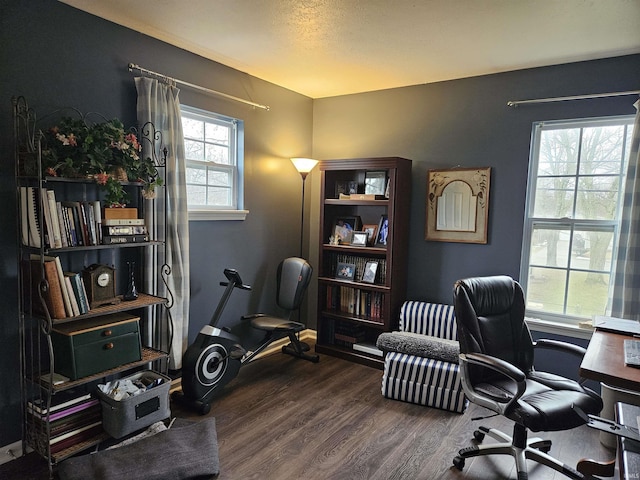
199 215
558 328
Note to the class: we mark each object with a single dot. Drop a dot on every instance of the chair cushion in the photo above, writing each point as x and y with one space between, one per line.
269 324
420 345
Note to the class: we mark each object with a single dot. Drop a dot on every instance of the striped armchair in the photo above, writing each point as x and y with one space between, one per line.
421 360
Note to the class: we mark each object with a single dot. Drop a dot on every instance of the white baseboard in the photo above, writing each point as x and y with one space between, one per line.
10 452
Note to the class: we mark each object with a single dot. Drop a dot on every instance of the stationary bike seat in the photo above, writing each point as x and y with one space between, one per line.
270 324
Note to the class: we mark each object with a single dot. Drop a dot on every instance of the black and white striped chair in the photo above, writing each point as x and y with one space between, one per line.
421 360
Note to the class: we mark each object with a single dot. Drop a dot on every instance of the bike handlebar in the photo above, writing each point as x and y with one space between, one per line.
234 277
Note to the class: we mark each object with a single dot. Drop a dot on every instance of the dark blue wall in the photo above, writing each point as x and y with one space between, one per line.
468 123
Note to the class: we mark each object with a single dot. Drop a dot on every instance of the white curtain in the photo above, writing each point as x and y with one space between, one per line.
626 289
158 103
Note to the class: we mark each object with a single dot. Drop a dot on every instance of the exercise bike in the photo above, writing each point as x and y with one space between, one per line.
216 355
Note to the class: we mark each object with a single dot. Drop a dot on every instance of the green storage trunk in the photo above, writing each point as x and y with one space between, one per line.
91 346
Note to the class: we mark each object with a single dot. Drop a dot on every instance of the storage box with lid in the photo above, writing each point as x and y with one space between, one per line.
122 417
90 346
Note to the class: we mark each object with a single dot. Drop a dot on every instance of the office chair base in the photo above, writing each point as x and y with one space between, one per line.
533 449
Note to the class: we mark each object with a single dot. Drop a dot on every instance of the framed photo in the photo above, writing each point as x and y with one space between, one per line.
360 238
369 274
345 271
375 182
370 230
344 227
383 231
341 188
458 205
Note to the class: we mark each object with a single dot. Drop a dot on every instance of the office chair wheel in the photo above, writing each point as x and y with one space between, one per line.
458 462
478 435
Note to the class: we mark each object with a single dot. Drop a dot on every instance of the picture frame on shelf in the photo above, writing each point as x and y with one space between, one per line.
383 231
352 187
359 239
345 271
341 188
344 227
370 229
375 182
369 274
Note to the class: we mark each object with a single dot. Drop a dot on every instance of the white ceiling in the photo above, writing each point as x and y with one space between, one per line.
323 48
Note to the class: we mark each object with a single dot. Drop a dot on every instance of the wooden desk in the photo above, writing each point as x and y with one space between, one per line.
604 362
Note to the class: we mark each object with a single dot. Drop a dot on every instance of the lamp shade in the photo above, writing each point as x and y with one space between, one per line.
304 165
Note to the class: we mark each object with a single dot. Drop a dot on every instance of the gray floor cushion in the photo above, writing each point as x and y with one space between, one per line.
188 450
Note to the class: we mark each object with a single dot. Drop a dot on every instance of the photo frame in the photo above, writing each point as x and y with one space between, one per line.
344 227
345 271
383 232
371 230
369 274
375 182
359 239
458 205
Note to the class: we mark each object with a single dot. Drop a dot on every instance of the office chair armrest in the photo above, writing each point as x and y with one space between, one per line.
558 345
508 370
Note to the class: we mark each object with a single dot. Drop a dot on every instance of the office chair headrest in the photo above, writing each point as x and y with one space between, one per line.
489 295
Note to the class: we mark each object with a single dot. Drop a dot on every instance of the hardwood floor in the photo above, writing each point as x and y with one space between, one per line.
284 418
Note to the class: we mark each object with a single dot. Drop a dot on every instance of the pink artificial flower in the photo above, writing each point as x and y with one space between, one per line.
51 172
101 178
131 138
72 140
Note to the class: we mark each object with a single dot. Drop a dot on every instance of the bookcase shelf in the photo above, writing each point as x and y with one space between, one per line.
40 262
353 312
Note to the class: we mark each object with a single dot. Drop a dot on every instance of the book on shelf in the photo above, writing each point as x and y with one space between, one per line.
58 379
52 296
115 239
66 425
52 209
119 213
124 230
369 348
78 435
79 291
122 221
38 406
72 296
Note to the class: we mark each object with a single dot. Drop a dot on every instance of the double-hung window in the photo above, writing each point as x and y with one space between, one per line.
214 164
574 202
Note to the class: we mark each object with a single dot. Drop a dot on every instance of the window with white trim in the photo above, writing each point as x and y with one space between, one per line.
574 200
214 163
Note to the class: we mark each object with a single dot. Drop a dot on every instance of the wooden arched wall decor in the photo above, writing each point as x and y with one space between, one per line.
458 205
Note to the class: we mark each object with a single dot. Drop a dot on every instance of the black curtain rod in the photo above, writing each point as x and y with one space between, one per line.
515 103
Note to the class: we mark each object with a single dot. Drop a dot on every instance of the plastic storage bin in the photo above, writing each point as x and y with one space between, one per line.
122 417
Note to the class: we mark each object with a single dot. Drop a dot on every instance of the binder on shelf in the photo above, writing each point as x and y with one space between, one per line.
31 226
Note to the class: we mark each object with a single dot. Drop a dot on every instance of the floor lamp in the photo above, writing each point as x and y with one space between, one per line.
304 166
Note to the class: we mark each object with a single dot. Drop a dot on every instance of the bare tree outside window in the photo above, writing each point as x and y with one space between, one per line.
571 229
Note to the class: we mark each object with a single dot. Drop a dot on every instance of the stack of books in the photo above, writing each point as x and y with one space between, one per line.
124 230
71 421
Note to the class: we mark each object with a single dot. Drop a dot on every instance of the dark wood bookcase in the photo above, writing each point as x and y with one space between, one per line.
352 312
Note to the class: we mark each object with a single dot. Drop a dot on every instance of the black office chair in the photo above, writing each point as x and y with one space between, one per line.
293 277
496 362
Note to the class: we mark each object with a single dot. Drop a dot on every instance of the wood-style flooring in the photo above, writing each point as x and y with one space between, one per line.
284 418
